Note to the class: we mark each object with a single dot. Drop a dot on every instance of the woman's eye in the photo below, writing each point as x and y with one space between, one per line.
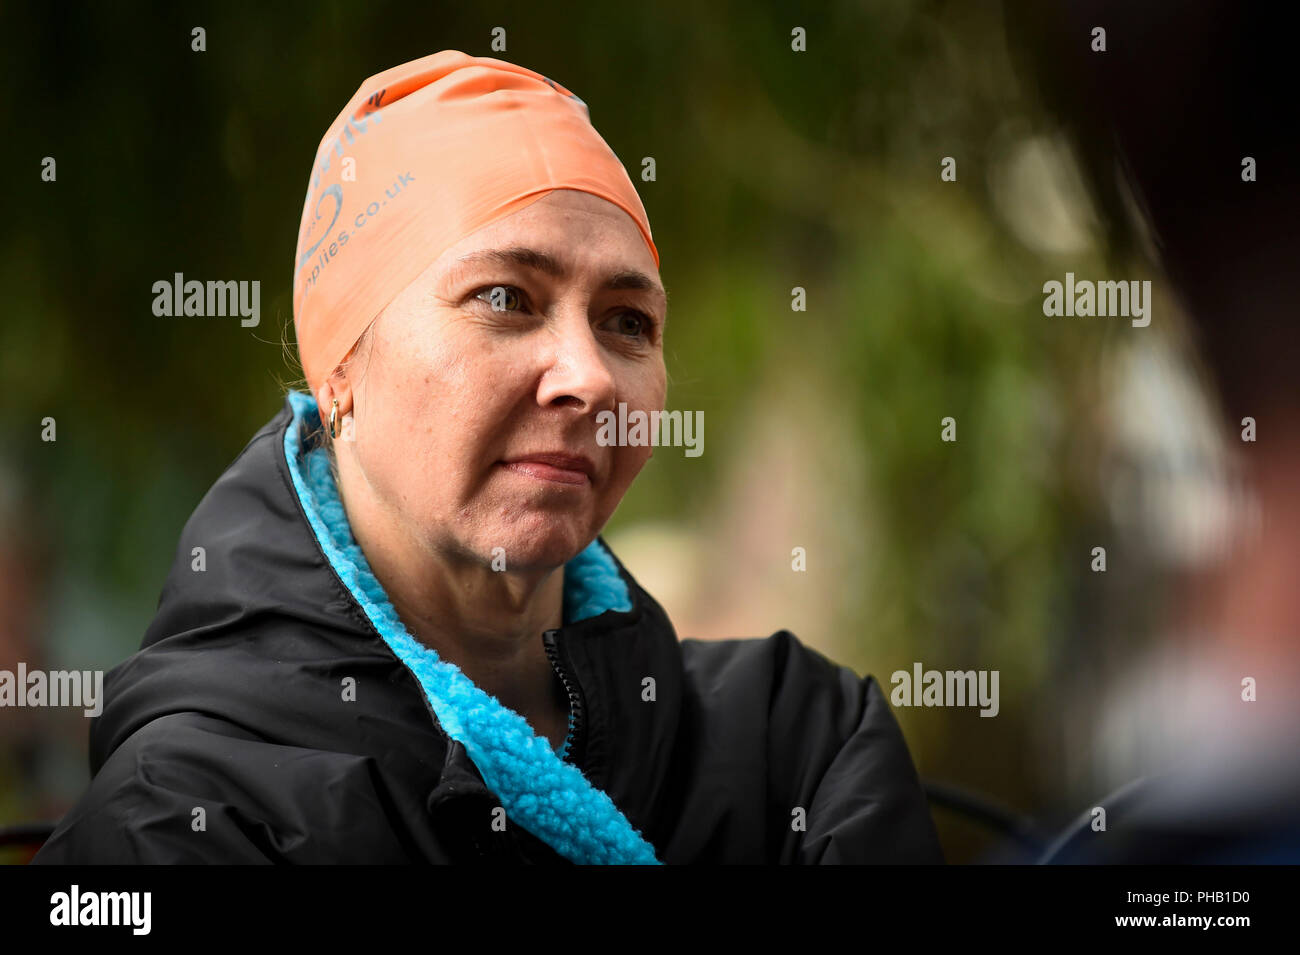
633 324
502 298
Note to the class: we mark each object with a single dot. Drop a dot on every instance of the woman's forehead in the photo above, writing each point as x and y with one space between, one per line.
566 224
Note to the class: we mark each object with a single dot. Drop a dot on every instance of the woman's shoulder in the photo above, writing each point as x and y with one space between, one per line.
823 742
188 787
781 664
788 690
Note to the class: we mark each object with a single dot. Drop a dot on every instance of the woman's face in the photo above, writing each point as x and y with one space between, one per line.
457 400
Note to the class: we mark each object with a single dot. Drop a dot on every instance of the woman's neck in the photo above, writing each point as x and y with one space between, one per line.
487 622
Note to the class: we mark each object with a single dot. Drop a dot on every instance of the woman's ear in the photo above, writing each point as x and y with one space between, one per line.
336 386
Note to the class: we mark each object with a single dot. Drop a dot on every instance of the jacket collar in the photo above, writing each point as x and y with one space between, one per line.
617 650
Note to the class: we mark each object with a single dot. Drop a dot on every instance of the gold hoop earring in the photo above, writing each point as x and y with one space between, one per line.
334 412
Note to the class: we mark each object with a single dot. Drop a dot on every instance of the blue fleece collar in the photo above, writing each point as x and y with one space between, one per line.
547 796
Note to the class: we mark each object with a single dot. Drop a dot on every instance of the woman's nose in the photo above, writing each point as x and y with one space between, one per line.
579 374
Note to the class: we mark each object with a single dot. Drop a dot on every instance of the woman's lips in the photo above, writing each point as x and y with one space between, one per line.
552 468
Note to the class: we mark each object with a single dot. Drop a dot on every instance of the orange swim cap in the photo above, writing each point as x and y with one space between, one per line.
423 155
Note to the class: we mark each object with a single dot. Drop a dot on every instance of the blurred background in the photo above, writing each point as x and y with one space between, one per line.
775 169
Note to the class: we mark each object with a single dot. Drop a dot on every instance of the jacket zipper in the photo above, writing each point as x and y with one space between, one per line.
576 713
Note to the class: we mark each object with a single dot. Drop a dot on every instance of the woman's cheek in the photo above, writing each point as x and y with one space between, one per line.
628 463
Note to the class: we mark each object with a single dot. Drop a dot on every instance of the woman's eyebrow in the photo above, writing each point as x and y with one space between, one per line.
624 279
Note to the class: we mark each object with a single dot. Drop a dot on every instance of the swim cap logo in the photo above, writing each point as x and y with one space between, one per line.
336 192
355 126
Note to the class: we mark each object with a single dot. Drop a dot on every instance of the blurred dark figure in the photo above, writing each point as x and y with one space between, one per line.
1169 112
30 739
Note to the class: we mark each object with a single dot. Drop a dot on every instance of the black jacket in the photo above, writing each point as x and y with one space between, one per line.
223 738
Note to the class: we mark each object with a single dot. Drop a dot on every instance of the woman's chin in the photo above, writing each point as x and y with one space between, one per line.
544 544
